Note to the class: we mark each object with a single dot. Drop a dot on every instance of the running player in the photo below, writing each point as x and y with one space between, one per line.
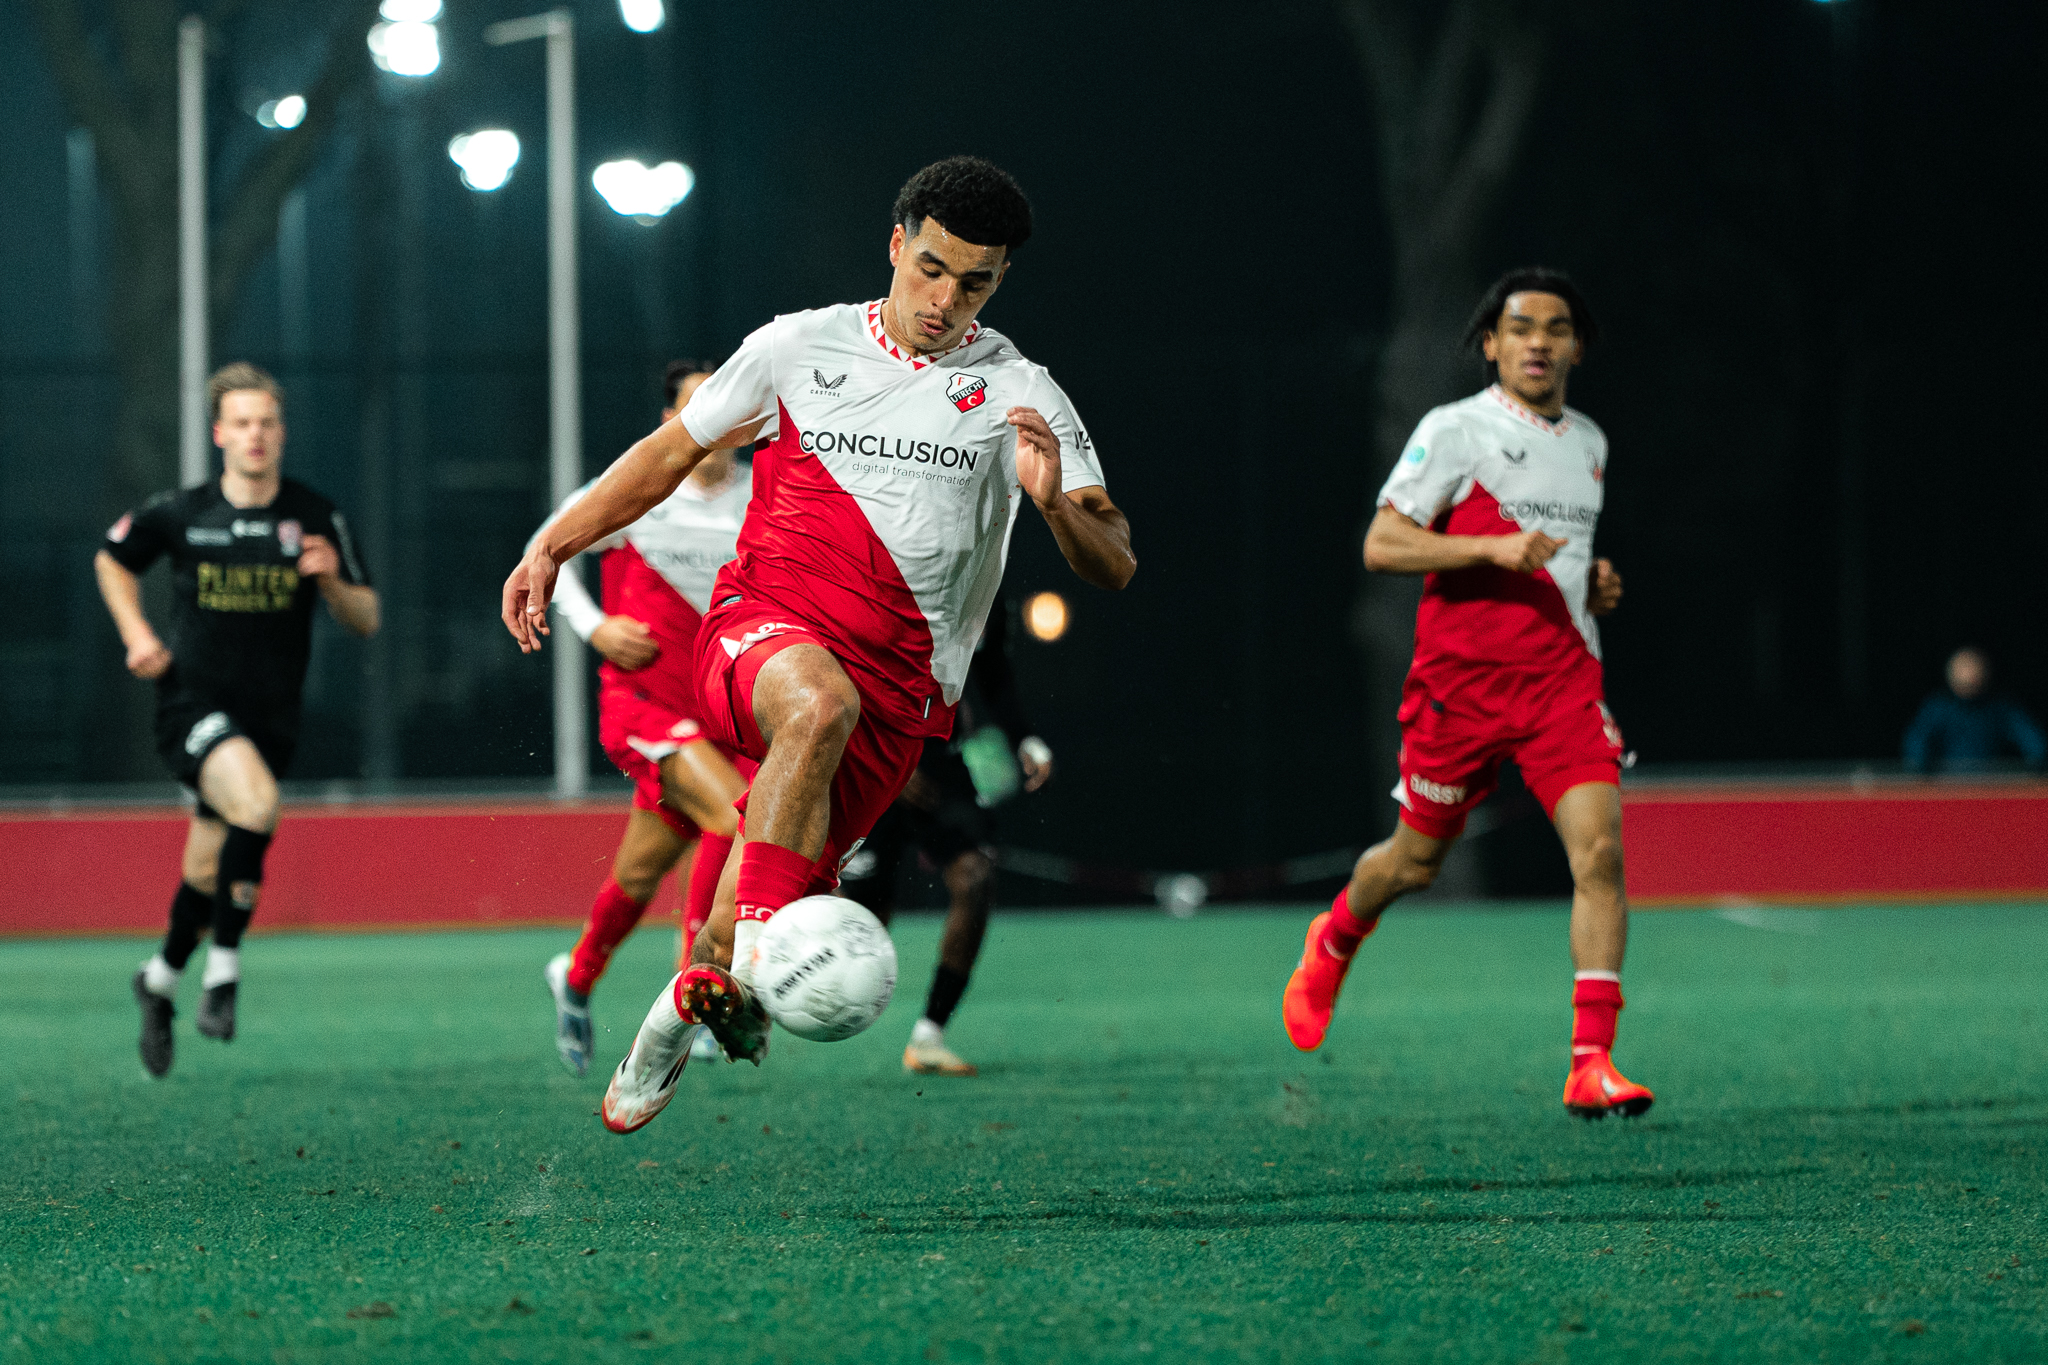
657 577
1495 500
249 554
940 814
903 439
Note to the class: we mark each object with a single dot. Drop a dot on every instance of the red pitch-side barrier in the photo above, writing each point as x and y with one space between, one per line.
536 861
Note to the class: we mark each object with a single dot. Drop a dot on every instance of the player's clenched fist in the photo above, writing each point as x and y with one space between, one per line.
317 556
148 658
1523 552
524 607
1603 594
1038 455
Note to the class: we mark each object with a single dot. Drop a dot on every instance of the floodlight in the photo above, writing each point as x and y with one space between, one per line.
643 193
642 16
287 112
406 47
486 157
410 11
1045 616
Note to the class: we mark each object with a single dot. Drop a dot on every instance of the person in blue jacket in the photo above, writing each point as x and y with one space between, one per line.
1966 727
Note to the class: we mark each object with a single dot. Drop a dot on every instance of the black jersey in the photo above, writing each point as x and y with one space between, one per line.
241 616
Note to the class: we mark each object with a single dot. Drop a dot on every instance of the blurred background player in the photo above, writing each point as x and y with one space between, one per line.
941 814
656 580
249 553
904 439
1495 500
1966 727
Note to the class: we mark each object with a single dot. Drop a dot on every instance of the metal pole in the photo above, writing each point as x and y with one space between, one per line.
565 397
195 460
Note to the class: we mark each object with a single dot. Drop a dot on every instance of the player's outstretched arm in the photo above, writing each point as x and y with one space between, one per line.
122 590
649 471
1398 545
1093 535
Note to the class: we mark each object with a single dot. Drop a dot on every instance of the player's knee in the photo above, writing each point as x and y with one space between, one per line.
970 875
824 715
202 874
1598 862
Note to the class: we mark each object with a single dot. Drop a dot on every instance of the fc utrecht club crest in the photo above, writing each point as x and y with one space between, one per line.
290 535
967 391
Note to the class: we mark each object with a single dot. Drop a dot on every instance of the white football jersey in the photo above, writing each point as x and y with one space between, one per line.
884 503
686 538
1487 465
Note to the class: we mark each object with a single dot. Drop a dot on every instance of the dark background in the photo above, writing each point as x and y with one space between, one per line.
1812 241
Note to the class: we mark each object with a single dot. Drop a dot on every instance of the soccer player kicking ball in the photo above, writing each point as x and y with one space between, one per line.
904 437
1495 501
657 576
249 554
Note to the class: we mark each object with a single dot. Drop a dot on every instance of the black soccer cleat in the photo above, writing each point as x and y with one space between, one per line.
216 1017
155 1043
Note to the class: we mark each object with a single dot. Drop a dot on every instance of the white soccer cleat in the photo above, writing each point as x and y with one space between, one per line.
646 1080
706 1048
575 1040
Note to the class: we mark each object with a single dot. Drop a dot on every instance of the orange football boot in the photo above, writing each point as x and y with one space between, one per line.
1596 1090
1312 991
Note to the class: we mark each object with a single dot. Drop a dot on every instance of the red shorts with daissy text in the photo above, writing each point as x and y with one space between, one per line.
1455 732
733 645
637 733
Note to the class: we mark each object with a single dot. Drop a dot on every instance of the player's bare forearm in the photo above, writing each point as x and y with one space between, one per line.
1396 544
356 606
649 471
122 592
1094 536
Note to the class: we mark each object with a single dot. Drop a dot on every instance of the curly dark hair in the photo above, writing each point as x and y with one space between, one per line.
973 199
678 370
1529 279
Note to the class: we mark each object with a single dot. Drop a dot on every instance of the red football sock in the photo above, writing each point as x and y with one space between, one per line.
1596 1000
1345 931
712 852
612 917
771 876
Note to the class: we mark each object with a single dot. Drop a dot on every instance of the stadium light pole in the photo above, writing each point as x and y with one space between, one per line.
193 449
565 399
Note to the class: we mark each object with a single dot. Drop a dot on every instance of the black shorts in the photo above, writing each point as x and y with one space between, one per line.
189 727
956 824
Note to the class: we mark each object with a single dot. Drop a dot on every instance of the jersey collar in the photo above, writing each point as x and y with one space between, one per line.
1530 415
916 362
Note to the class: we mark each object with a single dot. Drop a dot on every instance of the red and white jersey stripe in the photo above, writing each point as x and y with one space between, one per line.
884 502
1490 466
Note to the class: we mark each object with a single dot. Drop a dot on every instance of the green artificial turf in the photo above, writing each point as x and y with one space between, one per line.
1845 1161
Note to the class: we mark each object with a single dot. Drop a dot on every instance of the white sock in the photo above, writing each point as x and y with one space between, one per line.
160 977
924 1033
746 936
222 966
662 1019
1597 974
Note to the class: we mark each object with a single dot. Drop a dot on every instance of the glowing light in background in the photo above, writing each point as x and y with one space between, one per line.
486 157
1045 616
643 16
407 43
286 112
643 193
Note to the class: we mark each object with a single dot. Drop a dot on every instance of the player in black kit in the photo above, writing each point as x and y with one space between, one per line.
940 814
248 553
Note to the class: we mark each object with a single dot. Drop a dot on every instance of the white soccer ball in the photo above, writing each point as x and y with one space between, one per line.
824 968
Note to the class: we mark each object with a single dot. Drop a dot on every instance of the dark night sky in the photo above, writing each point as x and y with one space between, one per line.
1208 282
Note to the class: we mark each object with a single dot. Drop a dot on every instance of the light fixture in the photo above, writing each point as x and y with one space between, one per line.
643 193
1045 616
288 111
486 157
643 16
407 43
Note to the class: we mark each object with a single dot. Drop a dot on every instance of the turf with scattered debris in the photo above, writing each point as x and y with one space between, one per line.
1845 1161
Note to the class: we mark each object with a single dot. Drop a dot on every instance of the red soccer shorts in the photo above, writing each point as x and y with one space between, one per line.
1555 727
736 641
638 733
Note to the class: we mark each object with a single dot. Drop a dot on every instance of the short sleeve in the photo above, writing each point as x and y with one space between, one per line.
1079 467
353 569
740 391
140 536
1428 476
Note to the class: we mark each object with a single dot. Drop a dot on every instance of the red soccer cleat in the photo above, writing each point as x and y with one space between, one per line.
732 1013
1596 1090
1312 990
